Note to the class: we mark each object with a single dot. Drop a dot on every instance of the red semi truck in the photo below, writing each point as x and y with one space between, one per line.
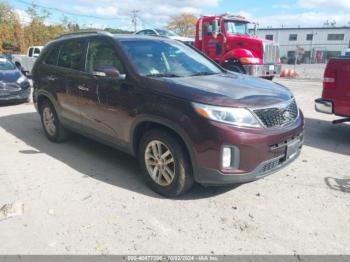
226 40
336 90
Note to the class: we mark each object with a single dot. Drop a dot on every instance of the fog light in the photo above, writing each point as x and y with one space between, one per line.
230 157
226 157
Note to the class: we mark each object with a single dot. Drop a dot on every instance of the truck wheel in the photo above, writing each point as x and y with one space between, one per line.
53 129
165 163
235 67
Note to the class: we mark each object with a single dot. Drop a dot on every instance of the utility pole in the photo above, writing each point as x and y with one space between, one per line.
134 18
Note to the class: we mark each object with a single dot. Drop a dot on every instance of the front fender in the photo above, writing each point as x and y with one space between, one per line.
236 54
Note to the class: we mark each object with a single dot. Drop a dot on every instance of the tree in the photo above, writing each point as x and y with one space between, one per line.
183 24
10 30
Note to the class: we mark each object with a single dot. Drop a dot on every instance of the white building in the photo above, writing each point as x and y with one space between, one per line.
316 44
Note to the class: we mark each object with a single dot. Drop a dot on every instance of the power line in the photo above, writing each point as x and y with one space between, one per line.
66 12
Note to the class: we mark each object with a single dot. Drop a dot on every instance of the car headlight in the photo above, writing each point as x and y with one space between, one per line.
21 79
230 115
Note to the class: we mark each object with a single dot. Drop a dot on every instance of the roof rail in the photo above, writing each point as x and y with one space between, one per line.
101 32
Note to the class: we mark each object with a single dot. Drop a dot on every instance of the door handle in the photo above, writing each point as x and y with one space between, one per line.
83 88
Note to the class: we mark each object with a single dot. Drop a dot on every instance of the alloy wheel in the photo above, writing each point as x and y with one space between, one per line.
160 163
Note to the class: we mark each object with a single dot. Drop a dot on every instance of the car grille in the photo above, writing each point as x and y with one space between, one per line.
271 53
270 166
280 115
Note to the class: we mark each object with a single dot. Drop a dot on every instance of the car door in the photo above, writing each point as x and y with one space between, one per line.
105 97
67 78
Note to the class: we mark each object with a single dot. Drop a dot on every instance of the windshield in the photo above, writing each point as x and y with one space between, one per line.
167 58
164 32
6 64
236 27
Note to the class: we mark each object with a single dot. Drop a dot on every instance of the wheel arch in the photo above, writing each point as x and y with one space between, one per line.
146 123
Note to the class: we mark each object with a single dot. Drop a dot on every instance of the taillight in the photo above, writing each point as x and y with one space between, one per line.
329 78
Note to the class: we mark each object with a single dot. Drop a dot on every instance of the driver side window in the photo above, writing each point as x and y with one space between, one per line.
102 54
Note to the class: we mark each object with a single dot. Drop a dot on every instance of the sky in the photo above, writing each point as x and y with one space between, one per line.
155 13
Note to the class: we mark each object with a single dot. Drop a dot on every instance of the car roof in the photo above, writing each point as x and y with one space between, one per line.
80 35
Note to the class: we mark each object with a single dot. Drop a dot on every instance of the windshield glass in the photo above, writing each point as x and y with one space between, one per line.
236 27
164 32
167 58
6 64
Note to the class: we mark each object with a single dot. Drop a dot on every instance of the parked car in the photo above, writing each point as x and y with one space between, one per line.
336 92
166 33
14 86
183 116
25 62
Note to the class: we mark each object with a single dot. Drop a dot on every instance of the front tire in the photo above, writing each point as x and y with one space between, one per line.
234 67
53 129
165 163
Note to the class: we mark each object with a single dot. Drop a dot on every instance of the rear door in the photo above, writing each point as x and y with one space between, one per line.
67 77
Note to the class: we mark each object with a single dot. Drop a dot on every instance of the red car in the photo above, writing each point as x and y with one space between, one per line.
336 90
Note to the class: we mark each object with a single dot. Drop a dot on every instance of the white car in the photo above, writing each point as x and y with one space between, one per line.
25 62
165 33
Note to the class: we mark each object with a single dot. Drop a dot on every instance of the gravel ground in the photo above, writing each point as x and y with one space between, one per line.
81 197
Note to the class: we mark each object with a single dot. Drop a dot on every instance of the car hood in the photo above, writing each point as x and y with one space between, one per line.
227 89
9 76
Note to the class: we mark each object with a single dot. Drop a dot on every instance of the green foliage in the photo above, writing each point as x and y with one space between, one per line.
17 37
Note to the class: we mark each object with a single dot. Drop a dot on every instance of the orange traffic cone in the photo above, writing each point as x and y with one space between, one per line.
288 72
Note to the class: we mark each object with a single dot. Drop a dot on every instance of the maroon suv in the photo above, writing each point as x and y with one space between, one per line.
185 118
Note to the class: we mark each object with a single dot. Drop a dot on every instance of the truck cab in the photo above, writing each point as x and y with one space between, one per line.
25 62
226 40
336 90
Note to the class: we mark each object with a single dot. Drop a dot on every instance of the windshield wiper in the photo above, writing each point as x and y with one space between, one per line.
163 75
204 74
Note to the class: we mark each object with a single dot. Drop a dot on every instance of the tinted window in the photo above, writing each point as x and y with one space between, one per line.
269 37
102 54
30 52
37 51
149 32
71 55
141 32
335 37
309 37
6 65
293 37
52 57
158 58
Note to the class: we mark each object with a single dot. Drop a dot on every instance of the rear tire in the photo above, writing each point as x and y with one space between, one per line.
53 129
165 163
269 78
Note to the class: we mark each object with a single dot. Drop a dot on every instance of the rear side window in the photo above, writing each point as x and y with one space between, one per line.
71 55
52 57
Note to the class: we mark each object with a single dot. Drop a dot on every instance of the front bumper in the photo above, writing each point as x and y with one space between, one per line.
21 95
268 167
324 106
263 70
261 152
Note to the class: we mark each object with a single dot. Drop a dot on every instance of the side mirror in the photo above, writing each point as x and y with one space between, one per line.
108 71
